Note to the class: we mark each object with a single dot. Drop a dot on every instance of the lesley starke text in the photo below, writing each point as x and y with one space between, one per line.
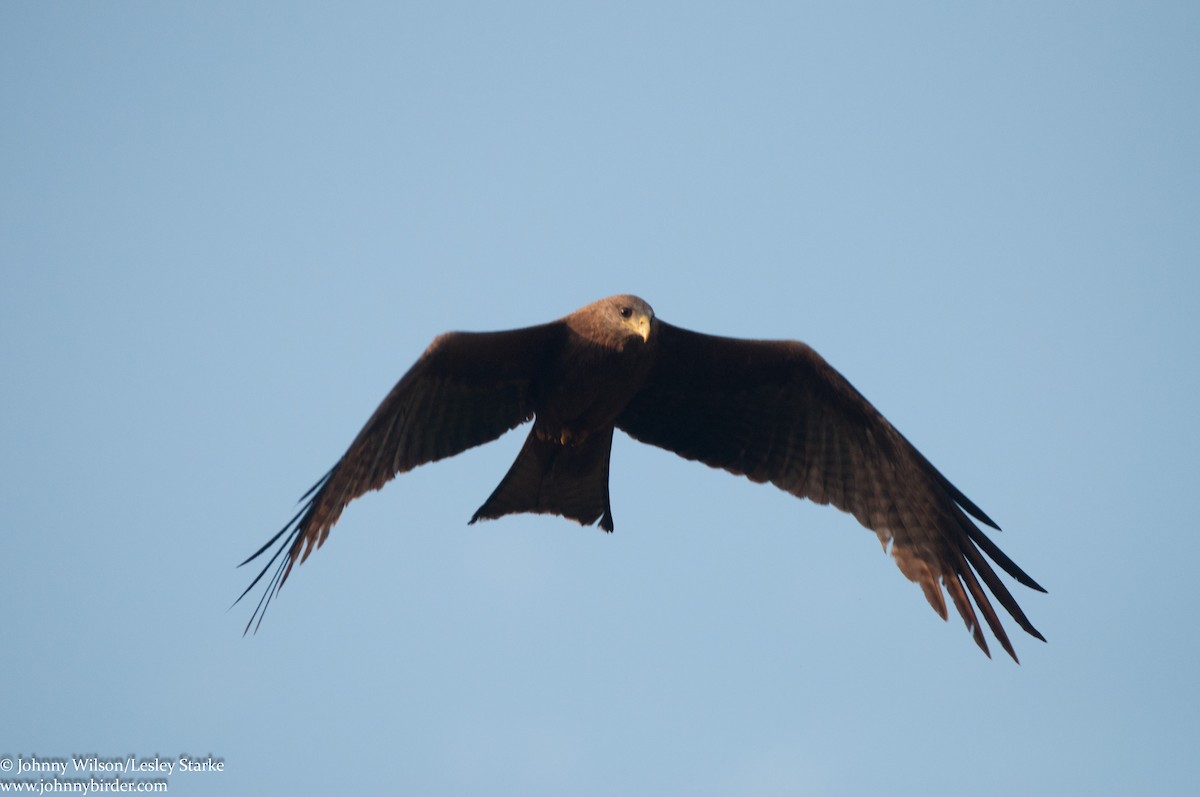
127 764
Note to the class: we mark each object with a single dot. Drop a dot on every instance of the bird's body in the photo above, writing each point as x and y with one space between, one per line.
592 372
773 411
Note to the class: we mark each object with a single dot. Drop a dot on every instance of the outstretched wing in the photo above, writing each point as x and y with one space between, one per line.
466 389
775 411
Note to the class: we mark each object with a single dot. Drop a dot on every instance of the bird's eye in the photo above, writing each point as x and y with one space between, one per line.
626 312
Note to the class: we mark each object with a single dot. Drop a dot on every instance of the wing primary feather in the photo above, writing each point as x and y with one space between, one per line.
959 498
276 581
287 525
282 548
976 560
989 614
999 557
320 483
260 610
953 584
270 542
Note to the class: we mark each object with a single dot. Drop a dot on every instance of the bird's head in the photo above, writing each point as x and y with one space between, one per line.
614 322
631 313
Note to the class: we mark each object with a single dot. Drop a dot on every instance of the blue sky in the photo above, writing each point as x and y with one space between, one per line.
226 229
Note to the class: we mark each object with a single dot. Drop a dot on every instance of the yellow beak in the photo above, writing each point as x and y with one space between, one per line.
642 325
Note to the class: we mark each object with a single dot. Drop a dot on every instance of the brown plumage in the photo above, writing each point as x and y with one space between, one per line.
773 411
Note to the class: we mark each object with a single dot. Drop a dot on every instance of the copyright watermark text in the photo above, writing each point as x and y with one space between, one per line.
93 773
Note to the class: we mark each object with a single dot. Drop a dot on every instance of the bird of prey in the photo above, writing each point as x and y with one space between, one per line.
773 411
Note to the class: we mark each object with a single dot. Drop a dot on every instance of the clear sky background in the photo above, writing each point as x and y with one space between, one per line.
226 229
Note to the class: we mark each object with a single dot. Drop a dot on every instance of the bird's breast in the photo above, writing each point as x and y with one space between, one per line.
587 392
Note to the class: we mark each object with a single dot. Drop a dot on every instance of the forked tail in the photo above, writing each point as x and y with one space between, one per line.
551 478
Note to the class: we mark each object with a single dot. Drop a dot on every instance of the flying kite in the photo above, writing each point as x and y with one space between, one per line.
770 410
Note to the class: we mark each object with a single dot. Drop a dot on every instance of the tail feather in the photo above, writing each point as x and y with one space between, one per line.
551 478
